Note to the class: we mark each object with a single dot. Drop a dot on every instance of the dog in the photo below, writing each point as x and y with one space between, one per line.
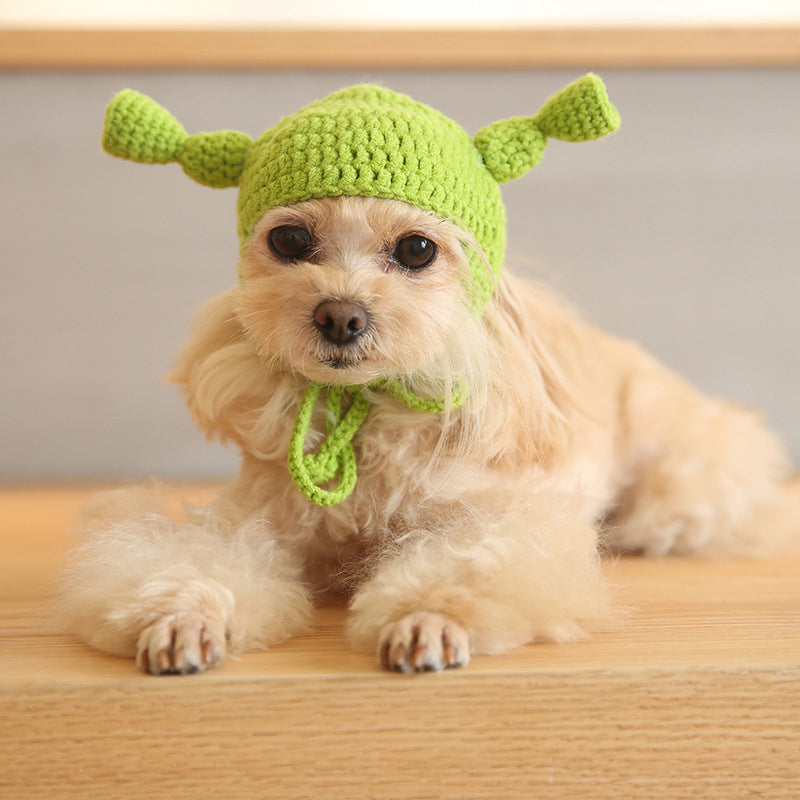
450 446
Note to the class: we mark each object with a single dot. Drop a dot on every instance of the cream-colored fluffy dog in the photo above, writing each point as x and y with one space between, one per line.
478 446
471 531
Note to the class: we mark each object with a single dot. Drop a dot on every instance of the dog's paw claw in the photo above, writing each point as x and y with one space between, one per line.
423 642
180 644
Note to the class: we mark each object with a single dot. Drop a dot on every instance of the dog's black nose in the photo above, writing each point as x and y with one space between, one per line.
341 321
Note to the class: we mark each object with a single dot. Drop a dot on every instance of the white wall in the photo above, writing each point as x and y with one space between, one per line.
680 231
389 12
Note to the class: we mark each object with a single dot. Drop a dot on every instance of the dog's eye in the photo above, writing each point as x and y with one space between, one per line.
290 242
415 251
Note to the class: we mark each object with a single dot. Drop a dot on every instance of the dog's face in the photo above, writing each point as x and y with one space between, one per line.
348 290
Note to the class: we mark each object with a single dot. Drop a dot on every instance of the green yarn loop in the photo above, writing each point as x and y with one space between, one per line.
416 403
335 458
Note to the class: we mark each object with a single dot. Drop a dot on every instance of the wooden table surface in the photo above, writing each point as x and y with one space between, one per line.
697 695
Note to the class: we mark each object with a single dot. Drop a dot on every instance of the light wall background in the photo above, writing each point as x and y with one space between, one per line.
681 231
382 13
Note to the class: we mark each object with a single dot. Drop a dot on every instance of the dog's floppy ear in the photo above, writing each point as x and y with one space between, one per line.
139 129
578 113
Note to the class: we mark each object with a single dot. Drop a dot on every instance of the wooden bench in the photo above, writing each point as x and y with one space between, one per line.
697 695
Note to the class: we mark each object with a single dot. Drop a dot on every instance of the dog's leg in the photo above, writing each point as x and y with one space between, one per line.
706 477
481 583
180 595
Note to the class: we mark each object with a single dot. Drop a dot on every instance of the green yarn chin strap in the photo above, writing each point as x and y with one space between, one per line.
336 457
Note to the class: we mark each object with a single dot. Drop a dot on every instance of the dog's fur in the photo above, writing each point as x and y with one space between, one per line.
471 531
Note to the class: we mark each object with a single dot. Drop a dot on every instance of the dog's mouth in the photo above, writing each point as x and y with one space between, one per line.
342 361
351 362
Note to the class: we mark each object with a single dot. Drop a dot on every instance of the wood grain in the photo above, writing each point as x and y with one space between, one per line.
428 48
697 694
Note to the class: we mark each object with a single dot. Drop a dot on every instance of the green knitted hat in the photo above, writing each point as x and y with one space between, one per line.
371 142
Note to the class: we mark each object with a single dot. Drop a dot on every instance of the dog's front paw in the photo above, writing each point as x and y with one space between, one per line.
423 642
179 644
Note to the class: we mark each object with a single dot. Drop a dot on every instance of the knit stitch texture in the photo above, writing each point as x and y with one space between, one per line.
372 142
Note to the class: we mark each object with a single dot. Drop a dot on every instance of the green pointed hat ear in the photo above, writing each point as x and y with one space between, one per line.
139 129
578 113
